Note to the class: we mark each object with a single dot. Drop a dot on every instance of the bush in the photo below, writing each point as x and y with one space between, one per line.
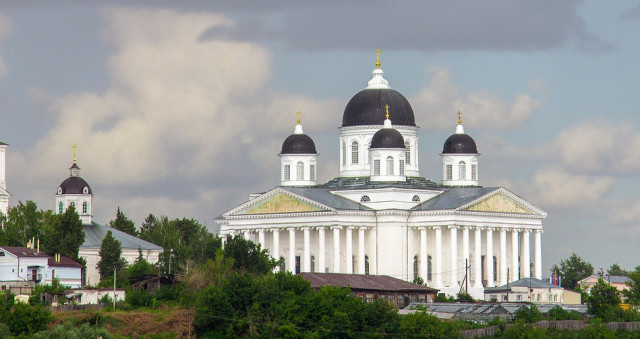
138 298
69 330
106 299
528 315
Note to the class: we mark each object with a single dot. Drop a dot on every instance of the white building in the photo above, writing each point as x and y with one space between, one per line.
25 267
380 217
4 194
532 290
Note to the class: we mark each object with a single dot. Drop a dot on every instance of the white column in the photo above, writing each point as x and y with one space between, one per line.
503 256
525 265
438 256
246 235
488 263
292 250
423 253
477 258
349 250
306 250
361 250
336 249
465 251
453 255
538 254
514 256
276 243
321 251
261 238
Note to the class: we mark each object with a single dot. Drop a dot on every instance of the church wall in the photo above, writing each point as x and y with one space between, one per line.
392 244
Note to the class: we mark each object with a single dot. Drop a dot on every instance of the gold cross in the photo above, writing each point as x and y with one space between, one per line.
387 107
75 147
378 58
298 112
459 117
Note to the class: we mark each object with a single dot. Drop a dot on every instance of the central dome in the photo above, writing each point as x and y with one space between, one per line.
367 108
74 185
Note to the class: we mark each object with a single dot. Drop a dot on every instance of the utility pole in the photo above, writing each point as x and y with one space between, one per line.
466 275
507 284
114 287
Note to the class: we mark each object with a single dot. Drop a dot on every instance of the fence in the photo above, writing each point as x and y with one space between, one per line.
546 324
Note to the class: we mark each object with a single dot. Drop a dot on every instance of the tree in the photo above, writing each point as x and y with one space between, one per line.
148 226
66 233
603 298
141 267
247 255
572 270
23 223
110 260
632 293
615 269
124 224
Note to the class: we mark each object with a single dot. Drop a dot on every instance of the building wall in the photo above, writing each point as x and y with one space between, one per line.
92 256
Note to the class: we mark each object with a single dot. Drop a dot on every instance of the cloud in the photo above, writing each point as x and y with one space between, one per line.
481 109
599 147
632 14
180 113
5 30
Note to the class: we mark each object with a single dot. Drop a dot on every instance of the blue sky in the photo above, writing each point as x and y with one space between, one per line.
180 108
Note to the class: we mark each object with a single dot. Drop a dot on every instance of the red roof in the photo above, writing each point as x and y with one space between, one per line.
64 262
24 252
364 282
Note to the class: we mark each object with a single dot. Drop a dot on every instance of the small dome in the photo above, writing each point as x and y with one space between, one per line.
367 108
298 144
74 185
387 138
460 143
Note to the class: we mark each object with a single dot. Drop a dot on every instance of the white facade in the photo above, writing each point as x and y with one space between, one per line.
92 256
20 265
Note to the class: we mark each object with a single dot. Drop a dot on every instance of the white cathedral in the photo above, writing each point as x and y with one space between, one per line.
379 216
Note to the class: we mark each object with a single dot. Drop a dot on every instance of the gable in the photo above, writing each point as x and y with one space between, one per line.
499 203
280 203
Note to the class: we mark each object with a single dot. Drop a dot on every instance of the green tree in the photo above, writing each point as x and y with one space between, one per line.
110 256
247 255
603 300
140 267
124 224
572 270
632 293
615 269
425 325
23 223
148 226
66 233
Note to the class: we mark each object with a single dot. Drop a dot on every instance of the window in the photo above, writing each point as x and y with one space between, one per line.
72 204
538 297
407 145
429 266
282 265
519 297
474 172
354 152
60 208
376 167
287 172
555 297
549 297
389 166
416 198
297 264
365 198
366 264
312 172
300 170
504 298
482 268
495 269
85 207
401 167
416 269
313 263
462 170
344 154
449 172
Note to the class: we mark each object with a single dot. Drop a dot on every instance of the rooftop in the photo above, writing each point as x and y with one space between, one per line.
363 282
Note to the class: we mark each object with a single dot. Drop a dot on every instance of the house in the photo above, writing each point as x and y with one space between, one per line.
66 270
152 283
83 296
532 290
619 281
371 287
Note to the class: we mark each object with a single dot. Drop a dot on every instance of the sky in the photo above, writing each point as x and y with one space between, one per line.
179 108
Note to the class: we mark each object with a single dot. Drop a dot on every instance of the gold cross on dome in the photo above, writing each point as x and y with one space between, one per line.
387 107
459 117
298 113
75 147
377 58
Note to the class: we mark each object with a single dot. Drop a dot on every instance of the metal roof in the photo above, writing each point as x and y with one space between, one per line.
350 183
94 233
363 282
454 197
525 282
24 251
325 197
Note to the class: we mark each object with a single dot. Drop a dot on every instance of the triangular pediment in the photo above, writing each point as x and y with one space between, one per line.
500 203
276 203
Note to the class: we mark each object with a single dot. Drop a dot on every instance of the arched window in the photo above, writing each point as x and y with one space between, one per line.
287 172
389 166
495 268
376 167
85 207
60 207
300 170
449 172
344 154
416 198
366 264
312 172
354 152
462 170
407 145
72 204
429 267
401 167
416 267
365 198
474 172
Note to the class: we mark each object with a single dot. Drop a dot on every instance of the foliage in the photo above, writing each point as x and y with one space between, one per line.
616 270
124 224
464 297
423 324
419 281
138 298
106 299
23 223
603 299
55 289
26 319
65 233
559 313
140 267
572 270
70 330
528 315
247 255
148 226
442 298
523 330
110 256
632 293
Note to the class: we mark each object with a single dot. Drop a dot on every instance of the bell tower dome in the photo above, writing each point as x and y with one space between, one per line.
298 159
460 159
75 191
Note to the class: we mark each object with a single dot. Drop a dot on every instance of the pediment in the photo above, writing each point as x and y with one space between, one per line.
500 203
279 202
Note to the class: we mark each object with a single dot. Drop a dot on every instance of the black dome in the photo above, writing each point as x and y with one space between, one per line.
298 144
74 185
368 108
460 143
387 138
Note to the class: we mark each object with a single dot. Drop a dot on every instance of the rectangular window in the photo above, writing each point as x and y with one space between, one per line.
312 172
519 298
354 152
504 298
549 298
401 167
297 264
287 172
474 174
449 172
555 297
376 167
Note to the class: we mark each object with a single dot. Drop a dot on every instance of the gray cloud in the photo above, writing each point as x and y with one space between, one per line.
632 14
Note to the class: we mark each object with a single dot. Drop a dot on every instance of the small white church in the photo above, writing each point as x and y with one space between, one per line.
379 216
